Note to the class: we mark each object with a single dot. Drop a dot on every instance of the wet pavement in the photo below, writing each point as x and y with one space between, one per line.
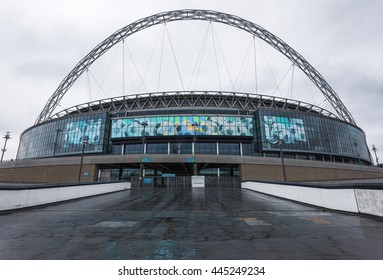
187 224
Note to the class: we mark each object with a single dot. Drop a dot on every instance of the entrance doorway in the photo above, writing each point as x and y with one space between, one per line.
172 175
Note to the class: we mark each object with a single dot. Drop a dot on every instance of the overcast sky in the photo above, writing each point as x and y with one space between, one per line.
42 40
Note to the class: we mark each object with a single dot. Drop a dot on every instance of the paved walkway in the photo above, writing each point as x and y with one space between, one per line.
187 224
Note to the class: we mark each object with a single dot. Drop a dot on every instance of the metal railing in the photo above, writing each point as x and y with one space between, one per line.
184 182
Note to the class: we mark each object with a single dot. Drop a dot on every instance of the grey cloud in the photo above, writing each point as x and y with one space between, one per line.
43 40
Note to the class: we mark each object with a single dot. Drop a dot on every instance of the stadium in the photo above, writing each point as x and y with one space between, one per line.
164 138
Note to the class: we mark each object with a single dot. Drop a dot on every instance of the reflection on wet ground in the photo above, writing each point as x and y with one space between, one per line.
187 224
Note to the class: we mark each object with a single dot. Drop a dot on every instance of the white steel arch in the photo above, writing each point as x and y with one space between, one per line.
205 15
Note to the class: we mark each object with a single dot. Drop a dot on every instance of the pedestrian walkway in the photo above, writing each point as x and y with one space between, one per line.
189 223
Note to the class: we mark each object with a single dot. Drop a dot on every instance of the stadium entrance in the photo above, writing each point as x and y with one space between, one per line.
172 174
185 182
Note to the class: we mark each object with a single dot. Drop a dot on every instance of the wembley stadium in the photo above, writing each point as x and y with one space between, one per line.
164 138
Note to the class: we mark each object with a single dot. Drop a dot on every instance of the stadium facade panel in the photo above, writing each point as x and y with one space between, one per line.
210 129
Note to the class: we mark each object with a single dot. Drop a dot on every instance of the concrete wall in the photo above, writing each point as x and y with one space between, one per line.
365 201
268 169
48 170
20 198
370 201
49 174
66 169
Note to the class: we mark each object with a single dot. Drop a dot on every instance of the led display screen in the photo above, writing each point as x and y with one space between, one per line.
288 130
80 131
182 125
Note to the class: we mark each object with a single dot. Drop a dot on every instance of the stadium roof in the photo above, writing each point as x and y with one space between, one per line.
191 100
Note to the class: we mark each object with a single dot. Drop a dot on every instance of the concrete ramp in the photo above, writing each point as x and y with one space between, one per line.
355 198
21 196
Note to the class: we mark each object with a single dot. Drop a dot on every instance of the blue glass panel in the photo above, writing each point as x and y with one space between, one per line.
289 130
182 125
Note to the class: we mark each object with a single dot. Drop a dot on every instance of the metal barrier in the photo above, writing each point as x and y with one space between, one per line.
177 182
222 182
135 182
162 182
184 182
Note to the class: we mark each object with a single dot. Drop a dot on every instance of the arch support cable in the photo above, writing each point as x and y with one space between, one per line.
206 15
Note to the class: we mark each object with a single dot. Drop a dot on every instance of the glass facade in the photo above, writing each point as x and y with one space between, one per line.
181 148
205 148
182 125
134 148
301 136
157 148
307 133
247 149
66 136
229 149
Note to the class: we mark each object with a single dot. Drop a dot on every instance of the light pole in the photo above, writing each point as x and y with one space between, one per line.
195 126
356 144
6 137
283 161
82 160
142 167
144 124
376 156
329 147
55 143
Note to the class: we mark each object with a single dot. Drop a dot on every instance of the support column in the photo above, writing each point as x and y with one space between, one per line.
141 174
283 162
242 173
195 170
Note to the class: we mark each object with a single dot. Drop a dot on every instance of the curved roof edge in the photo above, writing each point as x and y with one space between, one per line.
191 99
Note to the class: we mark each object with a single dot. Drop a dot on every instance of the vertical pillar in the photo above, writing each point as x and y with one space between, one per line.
240 149
120 172
283 162
195 170
99 175
141 174
242 173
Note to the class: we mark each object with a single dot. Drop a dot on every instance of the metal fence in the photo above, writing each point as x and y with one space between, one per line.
184 182
222 182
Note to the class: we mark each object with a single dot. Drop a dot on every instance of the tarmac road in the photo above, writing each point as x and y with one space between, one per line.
187 224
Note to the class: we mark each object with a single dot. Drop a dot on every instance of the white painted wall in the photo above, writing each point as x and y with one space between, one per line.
336 199
370 201
13 199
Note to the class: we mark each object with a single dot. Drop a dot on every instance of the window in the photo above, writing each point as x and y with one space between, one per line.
209 172
157 148
180 148
134 148
116 149
229 149
205 148
247 149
